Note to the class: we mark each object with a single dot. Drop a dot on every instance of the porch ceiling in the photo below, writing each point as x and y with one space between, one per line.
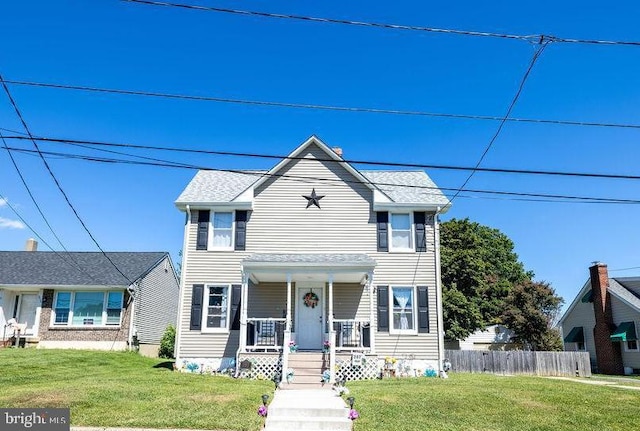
341 268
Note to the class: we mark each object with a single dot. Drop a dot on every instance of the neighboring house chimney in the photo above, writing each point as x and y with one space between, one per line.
608 353
337 150
32 245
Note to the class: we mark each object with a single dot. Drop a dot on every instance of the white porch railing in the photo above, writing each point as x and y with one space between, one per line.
265 333
352 335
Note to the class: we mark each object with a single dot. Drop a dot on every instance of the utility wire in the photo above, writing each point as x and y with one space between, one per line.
33 198
528 38
55 180
329 181
313 106
92 143
534 58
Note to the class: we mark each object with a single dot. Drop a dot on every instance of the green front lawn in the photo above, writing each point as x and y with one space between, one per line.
124 389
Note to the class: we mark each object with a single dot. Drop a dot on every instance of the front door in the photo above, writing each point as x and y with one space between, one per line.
309 317
27 310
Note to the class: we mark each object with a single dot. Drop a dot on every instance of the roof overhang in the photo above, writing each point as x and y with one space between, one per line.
233 205
308 267
396 207
33 287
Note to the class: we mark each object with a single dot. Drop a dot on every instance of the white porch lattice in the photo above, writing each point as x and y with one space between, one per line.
263 366
367 371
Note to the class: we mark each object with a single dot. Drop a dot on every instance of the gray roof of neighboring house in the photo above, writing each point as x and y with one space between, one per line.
75 268
310 258
224 186
623 293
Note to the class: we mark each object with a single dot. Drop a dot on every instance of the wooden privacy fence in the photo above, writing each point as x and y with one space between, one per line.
569 364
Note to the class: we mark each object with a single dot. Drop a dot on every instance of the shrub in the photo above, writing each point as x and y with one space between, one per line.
167 343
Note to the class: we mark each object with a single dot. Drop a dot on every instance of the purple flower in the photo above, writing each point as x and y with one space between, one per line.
353 414
262 411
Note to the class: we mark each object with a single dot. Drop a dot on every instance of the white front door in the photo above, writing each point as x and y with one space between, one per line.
309 317
27 311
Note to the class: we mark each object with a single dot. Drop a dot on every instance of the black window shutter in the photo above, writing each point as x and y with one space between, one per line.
236 295
196 307
241 230
382 219
383 308
419 219
423 309
203 230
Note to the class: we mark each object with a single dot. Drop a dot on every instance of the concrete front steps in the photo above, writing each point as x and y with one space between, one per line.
307 410
307 370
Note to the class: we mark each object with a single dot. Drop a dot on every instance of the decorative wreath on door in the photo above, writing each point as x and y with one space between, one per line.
310 299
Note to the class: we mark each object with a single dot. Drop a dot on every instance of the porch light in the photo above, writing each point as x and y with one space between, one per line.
351 401
265 398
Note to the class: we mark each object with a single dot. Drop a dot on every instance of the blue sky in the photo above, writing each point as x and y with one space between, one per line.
136 47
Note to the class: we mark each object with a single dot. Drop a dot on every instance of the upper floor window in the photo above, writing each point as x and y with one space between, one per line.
401 232
221 232
87 308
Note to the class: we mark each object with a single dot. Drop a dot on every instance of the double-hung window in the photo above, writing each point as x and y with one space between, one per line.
217 302
87 308
221 232
403 310
401 232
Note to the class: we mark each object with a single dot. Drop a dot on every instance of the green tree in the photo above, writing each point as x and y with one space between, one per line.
531 311
167 343
479 269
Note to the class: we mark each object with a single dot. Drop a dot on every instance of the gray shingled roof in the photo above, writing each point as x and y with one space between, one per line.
624 294
311 259
221 186
217 186
62 268
421 188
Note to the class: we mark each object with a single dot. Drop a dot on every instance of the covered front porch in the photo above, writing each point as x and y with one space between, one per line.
307 302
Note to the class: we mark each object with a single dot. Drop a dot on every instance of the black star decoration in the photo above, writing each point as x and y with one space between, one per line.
313 199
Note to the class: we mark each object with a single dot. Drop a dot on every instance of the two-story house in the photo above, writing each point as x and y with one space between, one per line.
312 254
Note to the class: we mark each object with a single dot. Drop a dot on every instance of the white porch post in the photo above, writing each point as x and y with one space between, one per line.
372 332
243 312
332 335
289 317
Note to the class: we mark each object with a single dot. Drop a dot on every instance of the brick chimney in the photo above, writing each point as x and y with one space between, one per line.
31 245
608 353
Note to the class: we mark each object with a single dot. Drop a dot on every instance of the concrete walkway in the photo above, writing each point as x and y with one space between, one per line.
612 383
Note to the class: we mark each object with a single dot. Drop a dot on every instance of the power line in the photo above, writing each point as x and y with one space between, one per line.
350 161
534 58
624 269
472 33
33 198
313 106
55 180
170 164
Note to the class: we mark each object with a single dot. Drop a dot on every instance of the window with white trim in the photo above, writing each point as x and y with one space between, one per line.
632 345
217 300
87 308
403 310
221 231
401 232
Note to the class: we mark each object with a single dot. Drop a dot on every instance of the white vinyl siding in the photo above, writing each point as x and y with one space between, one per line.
622 312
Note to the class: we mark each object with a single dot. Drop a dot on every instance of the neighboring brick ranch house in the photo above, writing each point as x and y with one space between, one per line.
603 320
78 300
314 252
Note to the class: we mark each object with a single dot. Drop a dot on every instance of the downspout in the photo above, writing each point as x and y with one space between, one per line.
183 271
439 295
132 295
